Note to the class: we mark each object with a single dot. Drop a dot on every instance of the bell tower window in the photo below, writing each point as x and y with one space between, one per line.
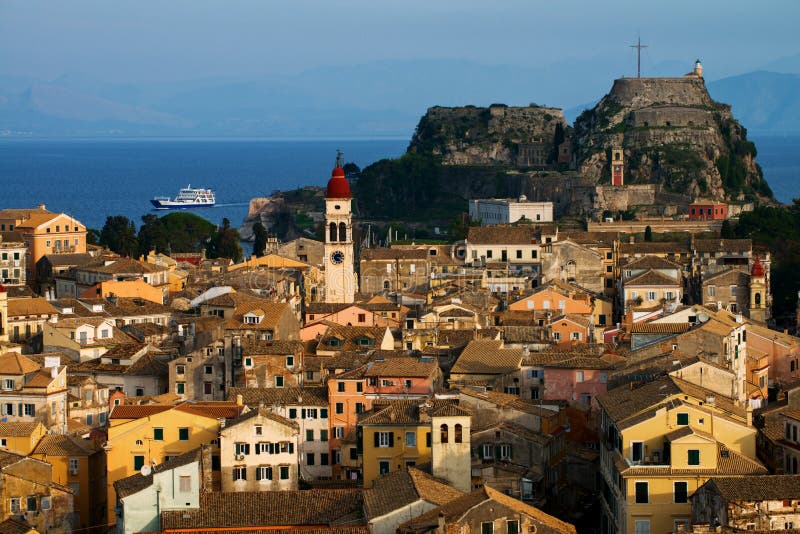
332 232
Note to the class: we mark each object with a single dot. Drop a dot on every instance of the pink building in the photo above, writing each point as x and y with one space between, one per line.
403 376
579 379
782 350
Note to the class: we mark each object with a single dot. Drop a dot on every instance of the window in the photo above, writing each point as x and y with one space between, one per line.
579 376
353 453
733 291
641 526
487 528
183 434
339 407
239 472
338 432
512 527
359 386
459 433
384 439
259 430
263 473
362 317
383 467
411 439
180 388
29 410
603 377
683 418
290 361
340 388
443 433
248 362
651 295
292 413
576 336
14 507
278 381
505 452
557 336
323 434
324 458
359 407
284 472
309 458
586 399
681 492
138 462
158 434
8 383
637 451
428 439
310 434
712 291
208 388
89 419
185 484
487 451
693 457
208 369
642 493
73 466
180 369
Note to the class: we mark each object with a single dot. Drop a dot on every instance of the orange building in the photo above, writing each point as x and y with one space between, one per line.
347 398
125 289
708 210
43 232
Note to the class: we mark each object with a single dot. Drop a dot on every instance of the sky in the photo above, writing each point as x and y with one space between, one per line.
148 41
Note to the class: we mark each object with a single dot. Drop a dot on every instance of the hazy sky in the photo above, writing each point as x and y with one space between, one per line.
166 40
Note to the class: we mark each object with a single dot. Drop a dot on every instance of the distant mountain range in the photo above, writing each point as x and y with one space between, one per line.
377 99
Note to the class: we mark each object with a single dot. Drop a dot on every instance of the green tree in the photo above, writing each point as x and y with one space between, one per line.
187 232
119 235
225 243
153 235
726 232
648 233
92 236
260 242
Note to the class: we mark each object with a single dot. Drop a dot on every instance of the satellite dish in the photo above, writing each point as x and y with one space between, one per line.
146 470
702 317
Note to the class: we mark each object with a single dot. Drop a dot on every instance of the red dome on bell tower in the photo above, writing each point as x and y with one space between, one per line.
338 186
758 269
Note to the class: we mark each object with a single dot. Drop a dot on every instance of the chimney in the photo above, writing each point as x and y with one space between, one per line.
239 400
53 372
441 528
41 207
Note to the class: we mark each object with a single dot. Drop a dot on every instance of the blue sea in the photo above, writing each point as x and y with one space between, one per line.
91 179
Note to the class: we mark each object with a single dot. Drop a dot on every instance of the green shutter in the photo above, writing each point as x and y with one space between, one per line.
323 413
158 434
138 462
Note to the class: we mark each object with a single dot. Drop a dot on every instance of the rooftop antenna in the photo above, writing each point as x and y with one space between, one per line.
638 46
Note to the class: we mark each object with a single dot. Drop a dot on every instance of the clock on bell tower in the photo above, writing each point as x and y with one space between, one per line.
339 256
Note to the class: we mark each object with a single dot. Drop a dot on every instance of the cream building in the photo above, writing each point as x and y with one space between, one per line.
491 211
258 452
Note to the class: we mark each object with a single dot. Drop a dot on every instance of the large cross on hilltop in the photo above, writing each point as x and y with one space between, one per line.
638 46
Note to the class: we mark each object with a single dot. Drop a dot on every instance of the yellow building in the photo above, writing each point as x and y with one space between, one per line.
146 435
395 435
662 441
20 437
80 465
44 232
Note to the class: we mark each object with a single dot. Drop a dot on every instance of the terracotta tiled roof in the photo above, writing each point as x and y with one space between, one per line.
659 328
402 367
624 402
504 235
456 509
728 463
763 488
14 525
664 247
9 458
214 409
266 414
270 508
401 488
652 262
35 306
505 400
487 357
651 278
727 276
408 411
373 254
12 363
723 245
310 396
325 308
349 337
17 429
61 445
270 348
135 411
271 312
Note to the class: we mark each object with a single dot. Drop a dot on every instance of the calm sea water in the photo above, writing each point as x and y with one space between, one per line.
91 179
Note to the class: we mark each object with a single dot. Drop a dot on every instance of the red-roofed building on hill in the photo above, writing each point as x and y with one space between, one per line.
708 210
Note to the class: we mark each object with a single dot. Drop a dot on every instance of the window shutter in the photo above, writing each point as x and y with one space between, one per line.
292 413
244 474
323 413
258 450
480 452
377 439
303 413
391 439
291 448
497 452
258 470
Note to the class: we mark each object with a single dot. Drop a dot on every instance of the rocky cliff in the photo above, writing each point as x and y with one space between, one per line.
497 135
673 134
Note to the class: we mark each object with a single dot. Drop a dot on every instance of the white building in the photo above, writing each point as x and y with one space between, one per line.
12 262
492 211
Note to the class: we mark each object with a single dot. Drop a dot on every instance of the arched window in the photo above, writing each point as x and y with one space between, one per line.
342 232
332 232
758 299
459 435
443 430
385 284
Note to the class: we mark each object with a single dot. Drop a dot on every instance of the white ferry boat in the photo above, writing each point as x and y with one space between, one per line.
188 197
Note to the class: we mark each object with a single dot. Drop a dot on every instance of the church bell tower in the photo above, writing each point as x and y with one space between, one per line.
339 254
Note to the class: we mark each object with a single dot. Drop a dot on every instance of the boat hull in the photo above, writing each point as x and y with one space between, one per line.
171 205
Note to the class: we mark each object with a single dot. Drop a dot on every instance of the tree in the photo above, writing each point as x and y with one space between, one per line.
225 243
187 232
119 235
648 233
726 232
260 242
92 236
153 235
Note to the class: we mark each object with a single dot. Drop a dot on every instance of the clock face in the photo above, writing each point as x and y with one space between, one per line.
337 257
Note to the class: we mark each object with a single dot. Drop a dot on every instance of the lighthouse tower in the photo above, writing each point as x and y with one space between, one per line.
339 256
698 69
